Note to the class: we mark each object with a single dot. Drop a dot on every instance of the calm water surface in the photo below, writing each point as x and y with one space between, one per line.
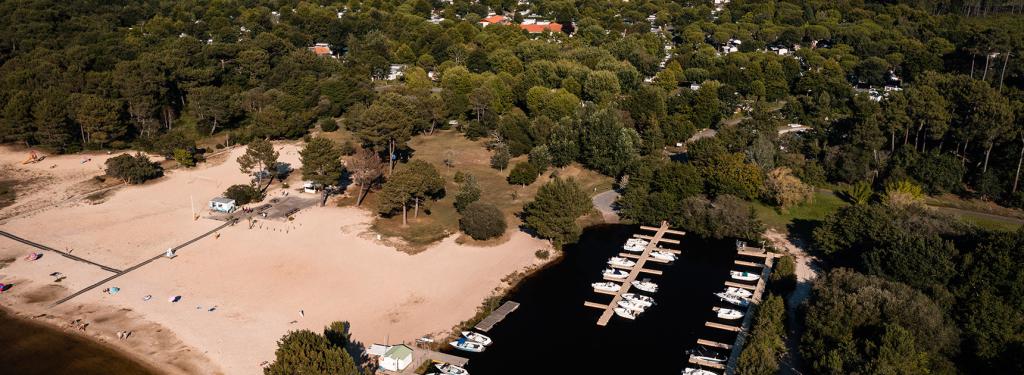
552 332
27 348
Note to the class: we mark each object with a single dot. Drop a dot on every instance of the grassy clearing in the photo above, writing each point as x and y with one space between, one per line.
801 219
976 205
440 219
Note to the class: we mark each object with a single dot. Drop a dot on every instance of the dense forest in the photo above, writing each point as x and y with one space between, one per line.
885 101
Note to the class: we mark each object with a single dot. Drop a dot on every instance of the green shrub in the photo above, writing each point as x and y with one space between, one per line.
243 194
523 174
133 169
482 221
328 124
468 193
185 158
783 278
542 254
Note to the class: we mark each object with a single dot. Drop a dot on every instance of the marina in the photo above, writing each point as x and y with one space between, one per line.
551 307
635 270
741 291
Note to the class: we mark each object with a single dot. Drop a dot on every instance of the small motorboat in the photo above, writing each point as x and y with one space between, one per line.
477 337
739 292
33 256
744 276
607 286
467 345
708 357
621 262
147 297
741 302
615 273
640 299
696 371
450 369
729 314
664 255
646 285
626 313
635 245
635 306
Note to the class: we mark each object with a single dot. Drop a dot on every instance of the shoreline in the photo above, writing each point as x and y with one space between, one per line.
51 325
244 288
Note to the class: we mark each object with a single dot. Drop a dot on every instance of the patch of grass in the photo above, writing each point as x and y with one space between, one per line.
978 205
6 193
542 254
799 219
472 157
990 223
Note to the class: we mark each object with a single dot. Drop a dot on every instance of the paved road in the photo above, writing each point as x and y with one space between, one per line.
604 202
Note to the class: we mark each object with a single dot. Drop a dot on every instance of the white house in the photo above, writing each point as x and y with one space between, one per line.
396 358
222 204
396 71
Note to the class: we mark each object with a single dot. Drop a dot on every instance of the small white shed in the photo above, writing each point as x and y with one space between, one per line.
396 358
222 204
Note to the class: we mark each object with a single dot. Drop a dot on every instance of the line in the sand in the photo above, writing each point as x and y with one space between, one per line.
66 255
143 263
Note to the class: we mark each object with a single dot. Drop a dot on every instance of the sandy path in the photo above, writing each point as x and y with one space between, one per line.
807 270
324 263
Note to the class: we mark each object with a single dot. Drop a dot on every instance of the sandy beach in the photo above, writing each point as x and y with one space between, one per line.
242 288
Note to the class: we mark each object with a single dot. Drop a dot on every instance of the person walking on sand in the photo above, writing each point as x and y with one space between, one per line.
302 313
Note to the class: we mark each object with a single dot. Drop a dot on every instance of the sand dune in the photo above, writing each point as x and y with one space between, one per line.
324 263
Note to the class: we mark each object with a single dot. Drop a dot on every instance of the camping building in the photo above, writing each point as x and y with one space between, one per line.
396 358
222 204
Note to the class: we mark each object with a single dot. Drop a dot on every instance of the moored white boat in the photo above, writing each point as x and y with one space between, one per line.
745 276
729 314
635 306
607 286
696 371
450 369
615 273
663 255
467 345
477 337
640 299
621 262
707 355
635 245
645 285
739 292
741 302
626 313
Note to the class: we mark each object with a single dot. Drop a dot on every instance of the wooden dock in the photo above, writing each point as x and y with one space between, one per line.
713 344
708 364
739 285
635 271
497 315
722 326
769 259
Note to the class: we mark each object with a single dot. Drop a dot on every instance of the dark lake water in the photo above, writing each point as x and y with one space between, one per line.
552 332
27 348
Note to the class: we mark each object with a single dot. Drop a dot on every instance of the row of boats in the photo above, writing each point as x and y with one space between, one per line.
632 304
736 296
637 245
473 342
